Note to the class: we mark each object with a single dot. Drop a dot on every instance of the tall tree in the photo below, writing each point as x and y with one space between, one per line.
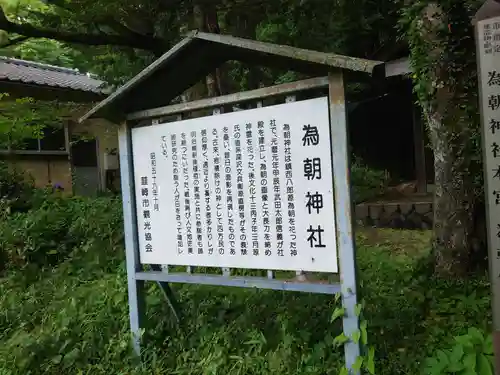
442 52
104 38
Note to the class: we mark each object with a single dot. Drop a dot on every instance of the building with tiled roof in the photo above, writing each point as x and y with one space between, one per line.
59 158
24 78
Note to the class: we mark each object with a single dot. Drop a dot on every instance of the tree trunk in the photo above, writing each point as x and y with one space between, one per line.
242 22
210 23
245 27
454 200
446 95
204 18
196 20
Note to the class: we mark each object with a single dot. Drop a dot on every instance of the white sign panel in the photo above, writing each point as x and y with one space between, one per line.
248 189
488 40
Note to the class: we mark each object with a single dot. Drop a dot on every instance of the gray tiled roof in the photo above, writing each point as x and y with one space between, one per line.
48 75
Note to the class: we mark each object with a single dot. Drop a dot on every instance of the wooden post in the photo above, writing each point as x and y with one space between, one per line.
487 33
67 124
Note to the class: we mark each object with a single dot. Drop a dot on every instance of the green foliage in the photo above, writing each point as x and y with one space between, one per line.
87 21
366 182
25 118
366 360
470 354
360 28
45 51
15 191
355 28
115 39
54 226
112 64
72 317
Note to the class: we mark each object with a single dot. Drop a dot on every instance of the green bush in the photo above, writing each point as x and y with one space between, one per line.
56 226
15 190
366 182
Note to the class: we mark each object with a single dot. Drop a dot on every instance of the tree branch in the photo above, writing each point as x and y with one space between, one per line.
138 41
118 27
15 41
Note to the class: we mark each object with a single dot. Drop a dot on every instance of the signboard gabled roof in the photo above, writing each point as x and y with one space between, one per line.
199 53
490 9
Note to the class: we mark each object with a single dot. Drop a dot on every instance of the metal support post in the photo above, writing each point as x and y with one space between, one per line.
135 287
342 187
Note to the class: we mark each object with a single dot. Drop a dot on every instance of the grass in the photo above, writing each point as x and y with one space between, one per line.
73 319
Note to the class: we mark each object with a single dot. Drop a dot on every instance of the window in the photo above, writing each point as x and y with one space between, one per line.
53 139
84 153
30 144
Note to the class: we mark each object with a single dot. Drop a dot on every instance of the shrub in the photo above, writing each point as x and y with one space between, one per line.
366 182
56 226
15 190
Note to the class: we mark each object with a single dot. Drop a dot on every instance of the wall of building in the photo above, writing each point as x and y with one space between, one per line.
46 172
106 134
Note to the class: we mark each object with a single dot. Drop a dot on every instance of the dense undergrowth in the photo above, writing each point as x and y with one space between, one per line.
63 307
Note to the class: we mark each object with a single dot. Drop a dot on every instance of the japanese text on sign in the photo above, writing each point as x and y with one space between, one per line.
249 189
489 66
